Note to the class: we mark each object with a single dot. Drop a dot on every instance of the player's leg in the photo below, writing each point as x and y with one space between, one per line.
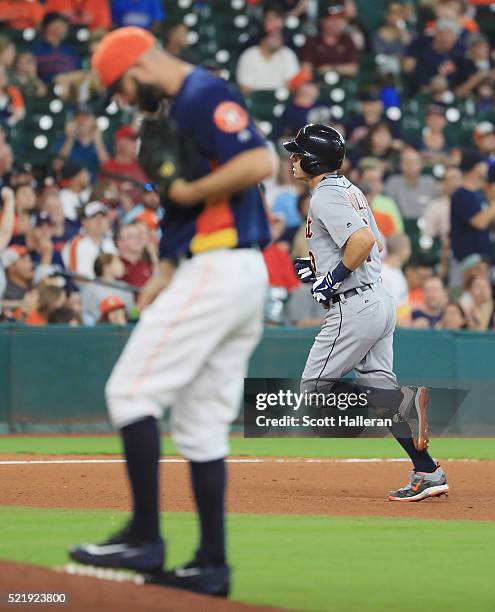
164 353
201 422
376 369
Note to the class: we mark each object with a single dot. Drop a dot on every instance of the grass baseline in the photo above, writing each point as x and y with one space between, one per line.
302 562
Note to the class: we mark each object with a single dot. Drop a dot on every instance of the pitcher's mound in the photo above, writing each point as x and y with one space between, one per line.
85 593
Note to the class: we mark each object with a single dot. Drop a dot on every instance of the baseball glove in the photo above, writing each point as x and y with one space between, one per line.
166 155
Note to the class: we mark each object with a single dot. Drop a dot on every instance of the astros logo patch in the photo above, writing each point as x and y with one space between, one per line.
230 117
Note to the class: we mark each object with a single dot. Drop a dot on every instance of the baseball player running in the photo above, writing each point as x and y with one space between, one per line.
191 347
344 268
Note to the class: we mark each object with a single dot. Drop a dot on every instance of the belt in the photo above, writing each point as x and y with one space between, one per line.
339 297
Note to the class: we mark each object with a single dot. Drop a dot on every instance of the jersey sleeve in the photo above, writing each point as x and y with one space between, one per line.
334 211
223 124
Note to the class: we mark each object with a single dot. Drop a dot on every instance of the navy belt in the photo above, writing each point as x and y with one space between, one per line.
340 297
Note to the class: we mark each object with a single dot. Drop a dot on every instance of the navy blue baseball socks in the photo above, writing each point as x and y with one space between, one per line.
204 579
141 442
138 546
209 482
123 551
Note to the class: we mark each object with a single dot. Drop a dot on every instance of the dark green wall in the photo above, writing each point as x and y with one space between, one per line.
55 376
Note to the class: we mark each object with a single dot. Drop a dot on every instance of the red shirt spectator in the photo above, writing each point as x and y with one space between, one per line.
91 13
281 271
332 48
138 267
124 165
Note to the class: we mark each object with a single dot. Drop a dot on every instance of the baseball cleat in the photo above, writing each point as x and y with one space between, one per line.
422 485
413 410
205 579
124 551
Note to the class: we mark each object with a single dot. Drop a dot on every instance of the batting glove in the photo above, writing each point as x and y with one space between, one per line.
325 286
304 270
323 289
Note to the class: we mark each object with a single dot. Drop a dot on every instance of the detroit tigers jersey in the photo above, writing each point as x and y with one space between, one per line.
337 209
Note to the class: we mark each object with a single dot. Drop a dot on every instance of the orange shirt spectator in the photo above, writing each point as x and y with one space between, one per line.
20 14
91 13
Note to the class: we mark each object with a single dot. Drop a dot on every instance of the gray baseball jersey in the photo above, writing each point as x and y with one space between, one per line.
337 209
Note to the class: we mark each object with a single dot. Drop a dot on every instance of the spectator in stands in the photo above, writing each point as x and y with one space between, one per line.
176 41
50 299
379 145
273 22
94 14
484 137
75 189
138 266
19 271
453 317
65 315
302 310
371 113
303 108
53 54
22 174
385 210
435 299
471 216
40 242
434 144
398 253
417 273
83 142
63 229
428 56
80 253
480 310
297 8
391 40
437 214
25 205
6 161
112 311
266 66
12 108
7 219
7 53
124 165
108 268
300 243
476 68
21 14
282 278
410 190
332 49
146 14
26 76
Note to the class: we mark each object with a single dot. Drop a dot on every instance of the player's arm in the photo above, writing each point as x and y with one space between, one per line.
358 248
240 172
157 283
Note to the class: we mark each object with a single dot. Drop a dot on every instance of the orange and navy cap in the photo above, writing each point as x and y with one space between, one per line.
111 303
118 51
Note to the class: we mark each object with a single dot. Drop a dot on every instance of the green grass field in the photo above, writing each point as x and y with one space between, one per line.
303 562
312 563
444 448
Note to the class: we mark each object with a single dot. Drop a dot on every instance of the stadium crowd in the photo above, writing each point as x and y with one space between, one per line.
411 85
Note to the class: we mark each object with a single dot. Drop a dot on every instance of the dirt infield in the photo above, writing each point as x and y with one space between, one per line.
85 593
276 486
